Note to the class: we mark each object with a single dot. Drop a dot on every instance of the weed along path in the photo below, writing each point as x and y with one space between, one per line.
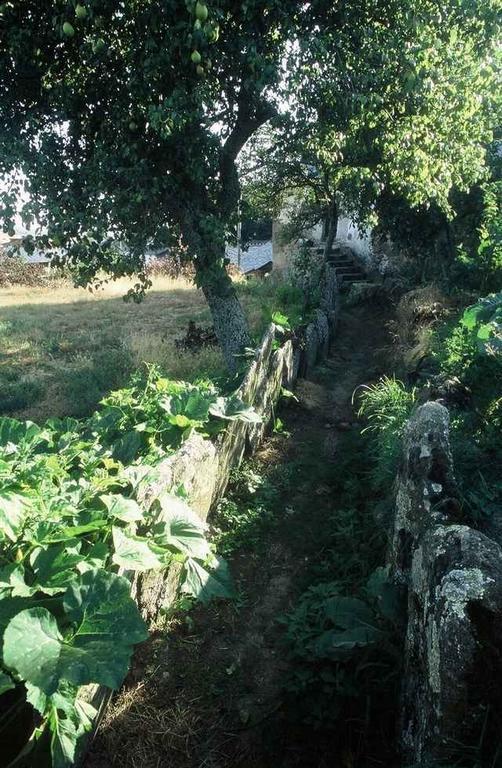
245 683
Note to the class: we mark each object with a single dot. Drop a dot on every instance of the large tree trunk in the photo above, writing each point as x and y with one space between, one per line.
230 324
332 226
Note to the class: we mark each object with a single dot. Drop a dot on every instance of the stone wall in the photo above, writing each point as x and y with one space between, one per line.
453 577
203 467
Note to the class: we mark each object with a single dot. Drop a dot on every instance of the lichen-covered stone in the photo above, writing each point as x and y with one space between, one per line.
322 328
311 350
453 577
195 467
453 649
329 290
426 491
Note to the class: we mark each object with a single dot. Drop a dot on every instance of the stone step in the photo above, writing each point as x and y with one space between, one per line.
353 277
346 285
340 262
347 269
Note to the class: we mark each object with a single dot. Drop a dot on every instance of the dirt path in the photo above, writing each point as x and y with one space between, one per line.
209 692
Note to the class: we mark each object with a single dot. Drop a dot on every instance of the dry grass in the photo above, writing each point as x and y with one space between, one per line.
62 347
417 315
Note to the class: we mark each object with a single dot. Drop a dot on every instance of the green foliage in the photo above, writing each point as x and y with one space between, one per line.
468 355
282 301
386 405
385 102
485 261
247 512
341 646
163 169
156 414
69 519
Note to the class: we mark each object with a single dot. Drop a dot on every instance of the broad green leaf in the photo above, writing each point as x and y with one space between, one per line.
233 409
64 738
485 310
18 583
137 553
68 721
121 508
127 448
281 320
15 432
59 534
11 606
181 421
14 509
333 642
180 527
348 612
206 584
101 604
36 697
54 567
34 648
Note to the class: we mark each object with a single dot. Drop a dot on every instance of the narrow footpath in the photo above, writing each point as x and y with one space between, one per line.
210 688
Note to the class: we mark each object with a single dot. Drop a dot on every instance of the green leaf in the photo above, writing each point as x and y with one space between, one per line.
15 432
32 648
63 740
180 528
485 310
11 606
137 553
128 447
101 604
14 510
205 584
36 697
181 421
68 720
54 567
233 409
60 534
121 508
281 320
98 652
348 612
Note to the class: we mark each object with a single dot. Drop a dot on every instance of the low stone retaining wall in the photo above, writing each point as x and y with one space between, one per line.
203 467
453 577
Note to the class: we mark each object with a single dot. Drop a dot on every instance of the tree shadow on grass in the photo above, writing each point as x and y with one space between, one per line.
60 358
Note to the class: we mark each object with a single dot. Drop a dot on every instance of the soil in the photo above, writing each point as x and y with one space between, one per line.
208 690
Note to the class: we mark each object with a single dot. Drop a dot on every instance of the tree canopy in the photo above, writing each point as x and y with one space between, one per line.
397 98
121 121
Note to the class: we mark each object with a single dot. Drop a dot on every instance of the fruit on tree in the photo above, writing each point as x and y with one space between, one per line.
196 57
201 11
80 11
68 29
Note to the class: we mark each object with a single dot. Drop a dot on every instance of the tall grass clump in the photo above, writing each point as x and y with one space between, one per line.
386 406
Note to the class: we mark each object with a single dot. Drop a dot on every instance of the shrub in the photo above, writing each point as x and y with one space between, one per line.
16 271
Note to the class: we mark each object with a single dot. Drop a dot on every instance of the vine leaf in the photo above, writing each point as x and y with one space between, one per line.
98 652
206 584
127 510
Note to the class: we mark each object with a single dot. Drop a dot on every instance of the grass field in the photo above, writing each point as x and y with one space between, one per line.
62 348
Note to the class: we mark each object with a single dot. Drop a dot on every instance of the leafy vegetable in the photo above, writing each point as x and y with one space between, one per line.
69 519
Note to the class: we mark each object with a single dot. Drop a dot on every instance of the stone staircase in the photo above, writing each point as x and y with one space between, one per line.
348 270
